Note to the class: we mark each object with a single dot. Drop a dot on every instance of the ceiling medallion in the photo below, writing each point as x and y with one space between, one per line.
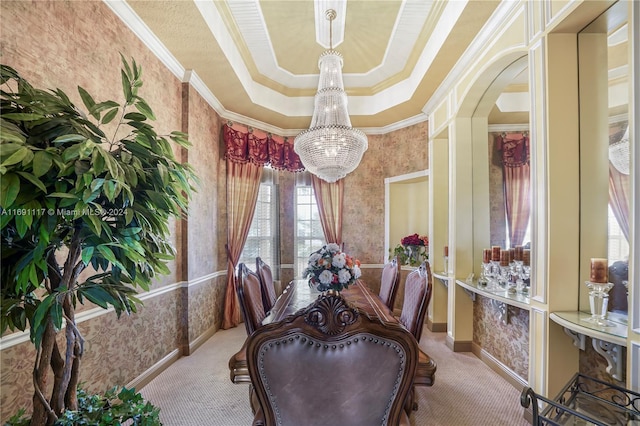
330 148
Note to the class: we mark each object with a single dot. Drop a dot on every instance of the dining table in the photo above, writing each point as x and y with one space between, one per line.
298 294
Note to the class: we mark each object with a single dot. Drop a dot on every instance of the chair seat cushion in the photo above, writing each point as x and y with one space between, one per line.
425 374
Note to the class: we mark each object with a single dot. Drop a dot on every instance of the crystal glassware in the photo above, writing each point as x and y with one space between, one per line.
598 302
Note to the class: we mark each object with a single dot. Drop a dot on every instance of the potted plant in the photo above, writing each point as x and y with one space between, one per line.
412 250
74 198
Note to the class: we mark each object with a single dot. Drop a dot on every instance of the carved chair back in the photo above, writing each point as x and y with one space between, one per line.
329 364
417 294
249 292
389 282
266 279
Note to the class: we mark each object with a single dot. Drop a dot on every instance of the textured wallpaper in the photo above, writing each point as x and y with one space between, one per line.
63 49
508 343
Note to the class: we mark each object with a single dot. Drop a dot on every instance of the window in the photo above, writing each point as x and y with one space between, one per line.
309 236
263 237
618 244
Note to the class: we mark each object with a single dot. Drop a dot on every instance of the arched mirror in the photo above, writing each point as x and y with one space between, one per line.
501 165
604 155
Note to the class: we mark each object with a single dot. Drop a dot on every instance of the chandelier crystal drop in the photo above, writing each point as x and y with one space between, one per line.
330 148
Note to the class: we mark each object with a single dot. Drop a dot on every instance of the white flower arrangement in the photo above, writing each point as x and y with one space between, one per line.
331 269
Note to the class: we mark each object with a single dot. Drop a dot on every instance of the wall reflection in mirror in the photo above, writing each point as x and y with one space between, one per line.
504 164
604 151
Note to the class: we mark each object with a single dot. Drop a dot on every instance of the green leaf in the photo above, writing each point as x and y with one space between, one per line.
18 116
135 116
145 109
109 189
56 315
62 195
94 223
6 149
87 99
109 116
106 252
42 162
97 295
17 156
34 180
87 253
126 87
69 138
9 189
164 175
37 324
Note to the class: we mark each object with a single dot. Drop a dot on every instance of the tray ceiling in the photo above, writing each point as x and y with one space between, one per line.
257 61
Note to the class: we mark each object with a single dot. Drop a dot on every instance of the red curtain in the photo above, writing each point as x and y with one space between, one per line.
330 199
244 145
247 151
243 183
517 182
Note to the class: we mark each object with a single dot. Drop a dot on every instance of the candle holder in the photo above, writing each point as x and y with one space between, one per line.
598 302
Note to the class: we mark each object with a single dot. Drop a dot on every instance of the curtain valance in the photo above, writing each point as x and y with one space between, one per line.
243 145
515 149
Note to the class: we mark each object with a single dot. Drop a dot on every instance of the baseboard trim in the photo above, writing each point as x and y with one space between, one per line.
153 371
496 365
198 341
458 345
436 327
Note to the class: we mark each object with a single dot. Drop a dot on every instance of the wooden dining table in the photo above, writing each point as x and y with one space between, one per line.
298 295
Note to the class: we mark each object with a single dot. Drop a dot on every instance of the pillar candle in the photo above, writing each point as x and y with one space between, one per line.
446 251
526 257
518 253
504 257
599 271
486 255
495 253
512 254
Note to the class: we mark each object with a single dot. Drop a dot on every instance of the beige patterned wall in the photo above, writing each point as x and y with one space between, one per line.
54 45
86 53
508 343
393 154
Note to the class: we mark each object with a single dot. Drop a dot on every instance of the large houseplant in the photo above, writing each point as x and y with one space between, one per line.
80 192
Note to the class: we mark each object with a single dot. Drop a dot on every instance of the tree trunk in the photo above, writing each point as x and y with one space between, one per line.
42 413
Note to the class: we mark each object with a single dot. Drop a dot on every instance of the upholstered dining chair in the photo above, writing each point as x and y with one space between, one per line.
266 279
329 364
417 294
389 283
250 298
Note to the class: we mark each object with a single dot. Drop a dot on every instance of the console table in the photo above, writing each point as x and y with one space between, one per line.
607 341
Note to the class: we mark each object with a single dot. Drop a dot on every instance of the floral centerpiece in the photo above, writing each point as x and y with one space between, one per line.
412 250
331 269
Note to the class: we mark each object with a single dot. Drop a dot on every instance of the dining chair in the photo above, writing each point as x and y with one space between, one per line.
389 283
418 287
266 280
330 364
249 291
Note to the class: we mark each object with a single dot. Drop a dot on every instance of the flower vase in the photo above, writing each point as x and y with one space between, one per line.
413 252
598 302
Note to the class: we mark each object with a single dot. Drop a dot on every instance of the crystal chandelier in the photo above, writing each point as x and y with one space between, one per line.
619 153
330 148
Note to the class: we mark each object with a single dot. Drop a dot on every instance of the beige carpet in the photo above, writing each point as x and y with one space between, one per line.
196 390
